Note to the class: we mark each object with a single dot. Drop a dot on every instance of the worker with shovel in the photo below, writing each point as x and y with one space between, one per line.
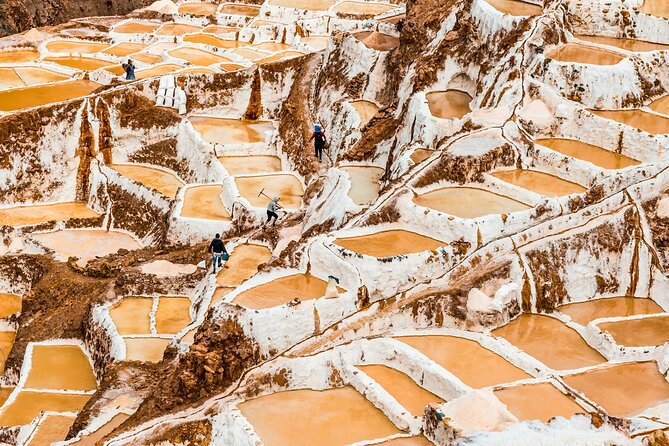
271 210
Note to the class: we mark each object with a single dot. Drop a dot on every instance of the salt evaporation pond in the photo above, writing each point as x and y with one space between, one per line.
420 155
647 331
541 401
173 314
585 312
164 182
177 29
366 110
6 343
449 104
208 39
281 291
658 8
648 122
197 56
539 182
317 43
86 244
287 186
335 417
9 304
516 8
306 5
134 27
53 429
577 53
250 165
243 264
75 46
468 202
198 8
364 183
148 58
588 152
550 341
131 315
625 44
239 9
204 202
406 392
278 56
26 76
366 8
42 213
391 243
19 56
95 437
125 49
156 71
407 441
231 131
145 349
19 98
473 364
79 63
271 46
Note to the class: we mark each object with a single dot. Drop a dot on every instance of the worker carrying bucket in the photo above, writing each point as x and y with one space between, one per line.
332 291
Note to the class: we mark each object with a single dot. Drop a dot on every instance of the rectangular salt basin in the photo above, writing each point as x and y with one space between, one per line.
80 63
28 405
75 46
42 213
541 401
19 56
468 202
389 243
95 437
281 291
243 264
335 417
286 186
19 98
173 314
587 152
648 331
516 8
250 165
231 131
53 429
306 5
576 53
9 304
585 312
86 244
26 76
145 349
60 367
164 182
197 56
407 441
204 202
6 343
539 182
131 315
648 122
354 7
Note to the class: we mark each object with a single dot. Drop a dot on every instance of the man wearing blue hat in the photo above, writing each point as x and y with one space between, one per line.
319 141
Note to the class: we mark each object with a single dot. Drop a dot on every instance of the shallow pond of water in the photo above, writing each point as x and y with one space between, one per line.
317 43
366 110
158 70
588 152
42 213
86 244
240 9
53 429
541 401
648 122
134 27
353 7
365 184
95 437
389 243
658 8
585 312
468 202
197 56
281 291
19 56
125 49
75 46
60 367
29 404
539 182
449 104
173 314
250 165
164 182
278 56
649 331
208 39
516 8
131 315
145 349
9 304
286 186
204 202
177 29
306 5
198 8
577 53
231 131
243 264
35 96
625 44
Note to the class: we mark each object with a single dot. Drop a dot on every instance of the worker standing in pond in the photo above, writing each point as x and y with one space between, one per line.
319 141
217 249
129 70
271 211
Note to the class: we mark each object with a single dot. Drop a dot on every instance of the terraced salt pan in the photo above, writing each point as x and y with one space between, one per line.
364 183
164 182
18 98
172 315
36 214
218 29
134 27
541 401
250 165
281 291
131 315
231 131
406 392
353 7
420 155
198 8
366 110
623 390
197 70
278 56
318 43
6 343
86 244
658 8
249 53
550 341
177 29
539 182
163 268
29 404
448 104
95 437
643 332
585 312
18 56
389 243
468 202
243 264
407 441
25 76
578 53
204 202
9 304
306 5
334 417
125 49
145 349
648 122
158 70
588 152
473 364
625 44
239 9
271 46
377 41
75 46
516 8
286 186
53 429
147 58
208 39
228 67
79 63
197 56
60 367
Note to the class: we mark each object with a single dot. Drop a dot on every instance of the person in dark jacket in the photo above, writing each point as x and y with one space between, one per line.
129 70
271 211
319 141
217 249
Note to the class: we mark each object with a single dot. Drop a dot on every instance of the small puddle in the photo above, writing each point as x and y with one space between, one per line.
541 401
145 349
239 9
366 110
173 314
377 41
449 104
197 56
623 390
231 131
198 8
164 182
577 53
468 202
36 214
271 46
391 243
208 39
420 155
648 122
406 392
177 29
204 202
281 291
86 244
516 8
75 46
305 5
334 417
649 331
131 315
133 27
29 404
19 56
60 367
243 264
473 364
550 341
539 182
658 8
19 98
286 186
53 429
364 183
125 49
9 304
584 312
279 56
352 7
95 437
625 44
250 165
157 71
587 152
318 43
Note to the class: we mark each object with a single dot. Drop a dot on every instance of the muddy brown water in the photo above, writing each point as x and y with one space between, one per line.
625 44
86 244
250 165
449 104
588 152
623 390
468 202
395 242
79 63
75 46
240 9
550 341
649 331
19 98
365 184
243 264
173 314
648 122
177 29
198 8
145 349
658 8
36 214
377 41
577 53
204 202
29 404
53 429
9 304
125 49
516 8
539 182
541 401
286 186
197 56
164 182
134 27
353 7
131 315
208 39
60 367
366 110
335 417
406 391
19 56
279 56
281 291
585 312
231 131
95 437
473 364
306 5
